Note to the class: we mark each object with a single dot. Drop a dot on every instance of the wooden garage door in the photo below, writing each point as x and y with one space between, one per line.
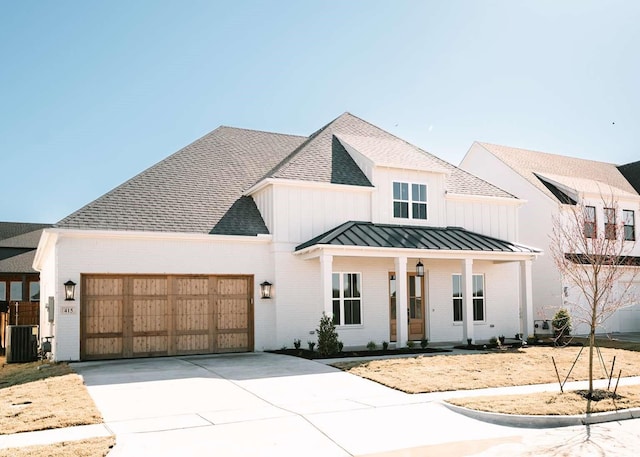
147 316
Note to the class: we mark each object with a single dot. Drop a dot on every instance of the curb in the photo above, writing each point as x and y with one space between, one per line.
531 421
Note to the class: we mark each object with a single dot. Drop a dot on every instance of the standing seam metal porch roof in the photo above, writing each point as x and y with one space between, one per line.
368 234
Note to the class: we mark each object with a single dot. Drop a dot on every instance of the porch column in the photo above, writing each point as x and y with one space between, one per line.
402 319
526 299
467 300
326 280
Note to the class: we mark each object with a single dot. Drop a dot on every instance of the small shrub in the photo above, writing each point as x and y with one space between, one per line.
311 344
493 340
327 336
562 322
372 346
296 343
385 345
469 341
410 344
501 338
283 348
340 346
424 342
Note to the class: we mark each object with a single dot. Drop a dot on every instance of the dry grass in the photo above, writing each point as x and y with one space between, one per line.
94 447
498 369
40 396
550 403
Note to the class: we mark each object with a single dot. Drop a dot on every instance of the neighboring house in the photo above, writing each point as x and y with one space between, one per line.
173 260
19 282
548 181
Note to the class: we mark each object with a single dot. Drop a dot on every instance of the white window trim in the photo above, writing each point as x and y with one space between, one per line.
624 225
484 299
410 200
342 298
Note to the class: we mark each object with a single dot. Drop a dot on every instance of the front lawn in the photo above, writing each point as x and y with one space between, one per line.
532 365
40 395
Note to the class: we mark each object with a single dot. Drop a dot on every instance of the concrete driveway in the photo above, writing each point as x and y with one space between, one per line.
262 404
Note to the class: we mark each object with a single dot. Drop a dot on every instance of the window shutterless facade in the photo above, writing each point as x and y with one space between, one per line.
15 291
610 223
629 225
590 222
409 200
478 297
347 298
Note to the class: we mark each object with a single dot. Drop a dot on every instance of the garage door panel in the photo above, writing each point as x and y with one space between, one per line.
192 343
150 315
232 314
103 286
104 316
192 286
104 347
158 344
232 286
229 342
150 286
192 314
140 316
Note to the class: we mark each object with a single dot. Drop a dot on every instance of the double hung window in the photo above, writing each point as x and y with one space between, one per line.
478 297
590 222
409 200
347 298
610 223
629 225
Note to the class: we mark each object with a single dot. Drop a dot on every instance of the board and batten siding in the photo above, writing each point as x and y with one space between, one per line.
301 213
382 199
498 220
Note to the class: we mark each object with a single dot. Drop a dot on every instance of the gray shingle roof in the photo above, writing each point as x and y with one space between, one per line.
631 171
191 190
312 160
21 234
200 188
21 263
18 241
368 234
572 171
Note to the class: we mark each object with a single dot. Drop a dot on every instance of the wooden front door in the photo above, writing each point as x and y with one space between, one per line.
415 306
156 315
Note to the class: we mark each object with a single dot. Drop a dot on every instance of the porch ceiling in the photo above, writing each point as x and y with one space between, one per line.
450 239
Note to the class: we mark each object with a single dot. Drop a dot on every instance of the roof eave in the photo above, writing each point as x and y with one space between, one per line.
487 198
314 251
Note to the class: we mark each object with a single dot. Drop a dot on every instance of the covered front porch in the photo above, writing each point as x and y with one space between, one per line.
442 283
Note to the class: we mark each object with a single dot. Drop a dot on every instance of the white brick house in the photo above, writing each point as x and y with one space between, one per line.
171 261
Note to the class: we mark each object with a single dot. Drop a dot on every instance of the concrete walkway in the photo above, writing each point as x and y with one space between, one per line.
264 404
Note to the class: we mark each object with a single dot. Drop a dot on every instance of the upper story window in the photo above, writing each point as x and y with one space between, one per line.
590 222
629 225
409 200
610 223
15 291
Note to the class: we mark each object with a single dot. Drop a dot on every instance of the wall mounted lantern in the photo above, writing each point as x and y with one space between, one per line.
419 269
265 289
69 290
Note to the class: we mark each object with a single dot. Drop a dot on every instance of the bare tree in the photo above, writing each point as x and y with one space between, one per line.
594 263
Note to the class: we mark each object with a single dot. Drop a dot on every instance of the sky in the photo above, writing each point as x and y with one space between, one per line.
94 92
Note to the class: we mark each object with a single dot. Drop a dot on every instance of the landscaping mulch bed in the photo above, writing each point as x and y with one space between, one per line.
312 355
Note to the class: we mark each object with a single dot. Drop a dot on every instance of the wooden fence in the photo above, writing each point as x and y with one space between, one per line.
19 313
